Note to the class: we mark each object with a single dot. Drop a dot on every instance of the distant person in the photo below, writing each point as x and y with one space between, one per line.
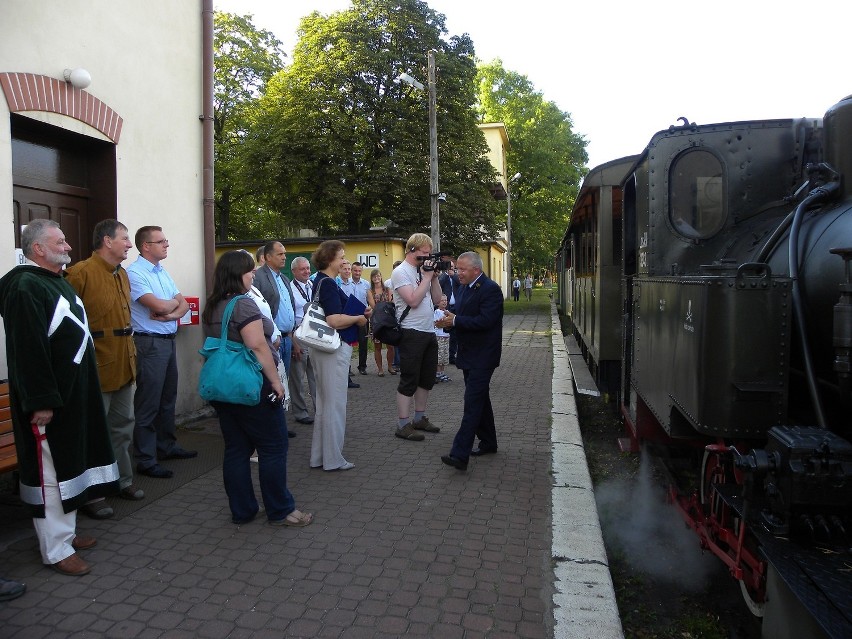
516 289
275 288
389 284
344 282
104 287
64 453
359 290
156 305
379 292
449 285
478 322
528 287
301 365
443 343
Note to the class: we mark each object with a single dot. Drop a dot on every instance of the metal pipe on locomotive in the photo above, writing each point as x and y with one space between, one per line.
733 249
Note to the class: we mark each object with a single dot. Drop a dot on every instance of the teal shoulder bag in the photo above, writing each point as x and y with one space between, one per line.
231 372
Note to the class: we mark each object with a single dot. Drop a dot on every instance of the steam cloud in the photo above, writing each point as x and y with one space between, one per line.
638 522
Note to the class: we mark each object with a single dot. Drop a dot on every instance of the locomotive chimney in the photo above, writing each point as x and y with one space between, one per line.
838 142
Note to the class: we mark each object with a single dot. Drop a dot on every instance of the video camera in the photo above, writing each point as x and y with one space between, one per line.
435 261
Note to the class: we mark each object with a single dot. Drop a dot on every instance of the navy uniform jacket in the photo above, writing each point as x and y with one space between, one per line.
479 324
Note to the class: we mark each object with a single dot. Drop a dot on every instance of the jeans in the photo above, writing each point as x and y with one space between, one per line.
245 429
285 348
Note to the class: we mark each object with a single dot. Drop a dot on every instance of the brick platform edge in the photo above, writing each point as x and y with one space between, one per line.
584 600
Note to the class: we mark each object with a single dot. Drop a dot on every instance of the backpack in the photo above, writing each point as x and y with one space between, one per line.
386 328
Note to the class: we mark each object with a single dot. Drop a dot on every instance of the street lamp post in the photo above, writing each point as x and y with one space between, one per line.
435 197
433 156
509 228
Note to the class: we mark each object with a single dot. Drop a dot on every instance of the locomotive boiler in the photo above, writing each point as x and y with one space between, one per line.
736 331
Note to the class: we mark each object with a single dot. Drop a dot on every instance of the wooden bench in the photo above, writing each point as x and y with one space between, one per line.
8 456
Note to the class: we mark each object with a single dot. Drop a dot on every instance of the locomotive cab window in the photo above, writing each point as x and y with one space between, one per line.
697 202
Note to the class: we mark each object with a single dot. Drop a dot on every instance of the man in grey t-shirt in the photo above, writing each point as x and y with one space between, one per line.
419 290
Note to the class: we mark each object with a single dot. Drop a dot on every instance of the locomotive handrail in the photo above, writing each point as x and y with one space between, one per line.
754 270
819 194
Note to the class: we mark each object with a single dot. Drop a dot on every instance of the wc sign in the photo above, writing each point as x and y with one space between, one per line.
369 260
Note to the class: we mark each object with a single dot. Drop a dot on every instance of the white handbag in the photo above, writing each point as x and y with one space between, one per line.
314 331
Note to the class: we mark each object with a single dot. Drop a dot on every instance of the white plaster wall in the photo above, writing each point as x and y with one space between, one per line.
145 60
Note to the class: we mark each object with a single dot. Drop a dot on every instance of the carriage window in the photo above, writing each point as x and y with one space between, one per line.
697 202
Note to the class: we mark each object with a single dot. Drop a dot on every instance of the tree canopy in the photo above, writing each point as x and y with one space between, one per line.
340 145
246 58
334 142
544 149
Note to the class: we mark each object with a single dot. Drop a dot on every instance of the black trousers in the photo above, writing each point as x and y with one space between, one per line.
478 418
362 348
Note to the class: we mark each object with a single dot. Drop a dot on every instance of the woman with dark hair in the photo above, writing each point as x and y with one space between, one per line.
380 293
248 428
331 369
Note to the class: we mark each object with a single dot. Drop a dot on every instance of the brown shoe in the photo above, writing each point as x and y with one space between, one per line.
72 566
425 424
132 493
407 432
83 543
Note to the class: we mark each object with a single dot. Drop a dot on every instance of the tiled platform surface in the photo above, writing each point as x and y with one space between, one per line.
402 545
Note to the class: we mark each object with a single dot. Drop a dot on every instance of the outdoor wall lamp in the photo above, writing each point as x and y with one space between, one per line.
79 77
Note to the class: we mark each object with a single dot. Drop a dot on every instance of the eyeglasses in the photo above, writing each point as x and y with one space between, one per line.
163 242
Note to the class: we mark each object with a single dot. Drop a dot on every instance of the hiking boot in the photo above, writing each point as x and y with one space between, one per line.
425 424
407 432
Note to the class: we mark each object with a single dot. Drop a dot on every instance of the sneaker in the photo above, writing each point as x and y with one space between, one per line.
446 378
425 424
407 432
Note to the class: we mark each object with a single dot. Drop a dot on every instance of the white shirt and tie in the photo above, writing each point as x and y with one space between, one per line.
302 294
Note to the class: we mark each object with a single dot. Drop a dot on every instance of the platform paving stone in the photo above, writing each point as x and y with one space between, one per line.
401 546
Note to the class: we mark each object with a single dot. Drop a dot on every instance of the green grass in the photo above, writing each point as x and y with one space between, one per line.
540 303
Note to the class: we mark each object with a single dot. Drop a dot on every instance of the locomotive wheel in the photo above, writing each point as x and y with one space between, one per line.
713 471
756 608
717 470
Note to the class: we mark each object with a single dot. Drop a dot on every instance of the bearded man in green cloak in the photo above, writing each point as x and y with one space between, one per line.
64 452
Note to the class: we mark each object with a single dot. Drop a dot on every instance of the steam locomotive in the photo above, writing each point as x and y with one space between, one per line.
708 283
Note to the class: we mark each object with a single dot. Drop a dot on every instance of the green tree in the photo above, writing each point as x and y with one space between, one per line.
341 146
549 155
245 59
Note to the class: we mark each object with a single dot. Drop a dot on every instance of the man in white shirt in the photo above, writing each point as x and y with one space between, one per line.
344 281
417 288
301 364
359 290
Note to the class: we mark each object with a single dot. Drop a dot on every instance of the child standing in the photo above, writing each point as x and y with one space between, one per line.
443 343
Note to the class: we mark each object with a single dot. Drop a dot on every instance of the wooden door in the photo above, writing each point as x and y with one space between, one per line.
70 211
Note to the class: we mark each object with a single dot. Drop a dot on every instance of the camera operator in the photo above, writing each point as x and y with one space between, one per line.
415 285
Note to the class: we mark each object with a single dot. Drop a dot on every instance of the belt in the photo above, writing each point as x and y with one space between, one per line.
117 332
157 335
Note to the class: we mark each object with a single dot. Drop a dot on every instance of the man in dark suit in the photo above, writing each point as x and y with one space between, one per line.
276 290
478 323
449 281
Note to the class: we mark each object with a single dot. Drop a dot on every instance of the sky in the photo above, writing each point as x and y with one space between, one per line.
624 70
